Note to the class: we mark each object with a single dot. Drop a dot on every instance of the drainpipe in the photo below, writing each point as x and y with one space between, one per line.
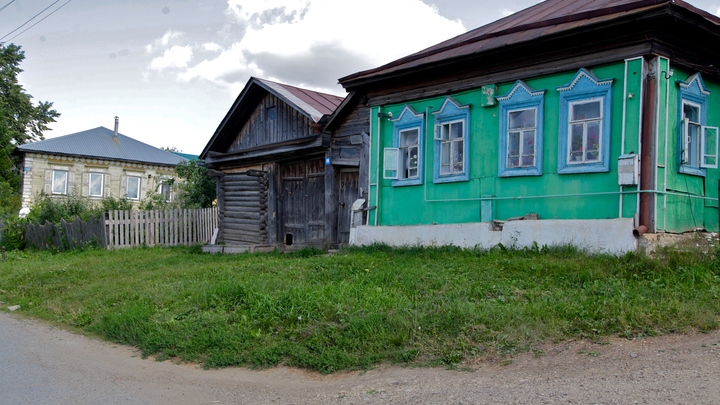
648 116
117 123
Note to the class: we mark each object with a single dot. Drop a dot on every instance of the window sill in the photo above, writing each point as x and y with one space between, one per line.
523 171
584 168
402 183
691 170
452 179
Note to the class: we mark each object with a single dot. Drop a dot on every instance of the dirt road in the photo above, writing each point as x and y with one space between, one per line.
41 364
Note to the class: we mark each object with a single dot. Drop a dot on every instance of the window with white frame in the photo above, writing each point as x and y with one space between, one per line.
697 142
96 184
133 188
521 131
584 125
585 131
521 138
59 181
403 162
451 142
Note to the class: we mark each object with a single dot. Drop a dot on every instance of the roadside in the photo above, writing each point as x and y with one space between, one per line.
44 364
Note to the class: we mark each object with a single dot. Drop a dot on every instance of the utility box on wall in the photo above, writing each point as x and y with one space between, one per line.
628 170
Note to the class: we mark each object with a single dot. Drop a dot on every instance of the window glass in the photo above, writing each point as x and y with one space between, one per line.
96 184
521 138
452 152
133 188
691 113
409 150
585 131
522 119
586 111
59 182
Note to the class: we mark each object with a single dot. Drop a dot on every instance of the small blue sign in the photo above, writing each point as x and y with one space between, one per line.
327 160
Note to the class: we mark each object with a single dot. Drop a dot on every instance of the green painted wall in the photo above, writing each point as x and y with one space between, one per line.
459 202
686 213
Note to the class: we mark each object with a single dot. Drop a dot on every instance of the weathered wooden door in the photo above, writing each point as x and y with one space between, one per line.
303 202
349 192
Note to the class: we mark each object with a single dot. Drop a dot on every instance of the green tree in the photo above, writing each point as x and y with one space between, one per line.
198 189
21 122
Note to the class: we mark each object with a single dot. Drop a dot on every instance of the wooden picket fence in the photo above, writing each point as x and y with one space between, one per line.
160 227
66 235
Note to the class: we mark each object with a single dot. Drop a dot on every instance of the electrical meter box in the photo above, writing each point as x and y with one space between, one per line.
628 170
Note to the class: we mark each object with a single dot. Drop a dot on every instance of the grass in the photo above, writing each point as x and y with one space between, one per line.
434 306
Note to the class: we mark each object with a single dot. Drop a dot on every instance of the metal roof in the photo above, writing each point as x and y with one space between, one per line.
99 143
543 19
314 103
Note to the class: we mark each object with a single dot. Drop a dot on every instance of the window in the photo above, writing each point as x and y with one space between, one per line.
403 162
96 184
521 131
697 143
59 181
165 190
133 188
451 142
584 129
521 139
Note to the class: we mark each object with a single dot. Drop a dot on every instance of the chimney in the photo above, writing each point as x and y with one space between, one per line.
117 122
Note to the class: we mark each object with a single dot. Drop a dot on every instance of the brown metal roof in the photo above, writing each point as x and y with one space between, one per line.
321 103
542 19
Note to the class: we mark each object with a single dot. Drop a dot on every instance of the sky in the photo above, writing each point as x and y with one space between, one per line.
171 69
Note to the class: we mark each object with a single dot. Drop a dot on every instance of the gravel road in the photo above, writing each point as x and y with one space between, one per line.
42 364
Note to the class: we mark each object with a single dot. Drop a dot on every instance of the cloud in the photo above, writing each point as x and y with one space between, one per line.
164 41
310 42
211 46
175 57
261 12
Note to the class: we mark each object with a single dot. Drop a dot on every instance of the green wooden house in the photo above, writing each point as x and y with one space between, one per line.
589 122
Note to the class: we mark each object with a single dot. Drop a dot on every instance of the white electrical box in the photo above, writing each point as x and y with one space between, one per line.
628 170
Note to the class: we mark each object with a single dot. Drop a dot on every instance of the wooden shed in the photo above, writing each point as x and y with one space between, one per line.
282 179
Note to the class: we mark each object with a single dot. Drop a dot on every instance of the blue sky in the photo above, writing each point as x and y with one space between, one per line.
171 69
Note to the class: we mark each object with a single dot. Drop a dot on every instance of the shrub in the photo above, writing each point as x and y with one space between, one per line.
12 235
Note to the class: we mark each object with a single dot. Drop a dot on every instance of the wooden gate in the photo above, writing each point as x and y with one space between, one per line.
349 192
302 206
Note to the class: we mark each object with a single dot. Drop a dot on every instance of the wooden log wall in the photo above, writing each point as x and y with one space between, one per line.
243 202
272 121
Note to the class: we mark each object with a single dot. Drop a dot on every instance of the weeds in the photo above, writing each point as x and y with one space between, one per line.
427 306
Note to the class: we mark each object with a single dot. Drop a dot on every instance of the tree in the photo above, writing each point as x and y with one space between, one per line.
21 122
198 189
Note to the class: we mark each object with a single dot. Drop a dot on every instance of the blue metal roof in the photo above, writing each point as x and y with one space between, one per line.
99 143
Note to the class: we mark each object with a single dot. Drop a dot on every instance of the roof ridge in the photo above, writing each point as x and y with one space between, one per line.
300 88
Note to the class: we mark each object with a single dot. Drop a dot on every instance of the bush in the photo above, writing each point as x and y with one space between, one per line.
53 209
12 235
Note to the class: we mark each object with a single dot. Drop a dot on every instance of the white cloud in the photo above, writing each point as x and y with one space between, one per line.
175 57
164 41
267 11
280 35
211 46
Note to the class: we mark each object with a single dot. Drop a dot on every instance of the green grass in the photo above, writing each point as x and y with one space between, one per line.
436 306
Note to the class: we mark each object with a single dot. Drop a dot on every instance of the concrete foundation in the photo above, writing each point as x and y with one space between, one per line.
596 235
